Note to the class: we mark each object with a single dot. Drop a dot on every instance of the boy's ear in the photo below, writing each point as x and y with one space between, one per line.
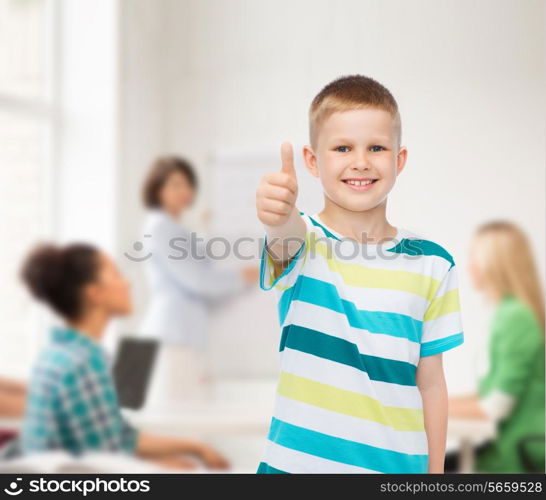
310 160
401 158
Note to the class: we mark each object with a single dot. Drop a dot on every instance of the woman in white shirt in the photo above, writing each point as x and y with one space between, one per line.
184 283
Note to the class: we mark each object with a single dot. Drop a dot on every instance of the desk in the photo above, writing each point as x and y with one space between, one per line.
469 433
10 424
236 406
231 415
235 415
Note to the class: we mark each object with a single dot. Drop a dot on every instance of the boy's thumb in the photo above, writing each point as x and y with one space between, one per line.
287 158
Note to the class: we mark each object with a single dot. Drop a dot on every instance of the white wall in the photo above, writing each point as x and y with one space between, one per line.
143 110
468 76
85 170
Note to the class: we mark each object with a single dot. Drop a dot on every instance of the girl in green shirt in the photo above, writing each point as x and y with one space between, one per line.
512 391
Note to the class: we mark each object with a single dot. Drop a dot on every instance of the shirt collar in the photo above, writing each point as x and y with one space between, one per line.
65 335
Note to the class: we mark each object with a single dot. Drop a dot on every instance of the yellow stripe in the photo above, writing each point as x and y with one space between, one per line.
349 403
362 276
447 303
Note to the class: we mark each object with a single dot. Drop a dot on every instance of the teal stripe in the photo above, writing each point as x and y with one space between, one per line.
410 246
324 294
264 468
441 345
345 451
345 352
326 232
286 298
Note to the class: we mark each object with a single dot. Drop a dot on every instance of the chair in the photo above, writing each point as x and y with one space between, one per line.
527 458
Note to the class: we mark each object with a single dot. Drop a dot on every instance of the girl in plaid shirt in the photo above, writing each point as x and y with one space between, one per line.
72 403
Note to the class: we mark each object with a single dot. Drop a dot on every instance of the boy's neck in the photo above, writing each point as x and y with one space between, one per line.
370 226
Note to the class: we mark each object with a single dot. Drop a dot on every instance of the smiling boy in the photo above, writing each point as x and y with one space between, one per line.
361 385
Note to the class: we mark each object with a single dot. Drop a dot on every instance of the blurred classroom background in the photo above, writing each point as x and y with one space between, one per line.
91 91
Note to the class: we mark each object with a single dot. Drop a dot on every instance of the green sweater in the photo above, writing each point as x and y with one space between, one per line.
516 354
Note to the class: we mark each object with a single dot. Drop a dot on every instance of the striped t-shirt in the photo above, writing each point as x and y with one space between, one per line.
355 321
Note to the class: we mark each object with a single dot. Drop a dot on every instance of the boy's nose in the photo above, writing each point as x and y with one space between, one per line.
361 162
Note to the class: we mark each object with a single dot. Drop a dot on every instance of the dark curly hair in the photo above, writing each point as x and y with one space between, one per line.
56 275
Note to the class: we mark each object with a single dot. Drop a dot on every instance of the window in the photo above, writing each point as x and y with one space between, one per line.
27 138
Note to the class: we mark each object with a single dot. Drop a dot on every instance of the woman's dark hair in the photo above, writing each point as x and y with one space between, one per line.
160 171
56 275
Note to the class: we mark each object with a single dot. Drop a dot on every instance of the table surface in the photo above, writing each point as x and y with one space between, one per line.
234 417
242 407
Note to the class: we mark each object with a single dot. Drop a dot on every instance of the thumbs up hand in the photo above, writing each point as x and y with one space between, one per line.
277 193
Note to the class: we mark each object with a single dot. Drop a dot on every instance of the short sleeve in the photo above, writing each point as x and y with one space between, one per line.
442 324
517 345
290 273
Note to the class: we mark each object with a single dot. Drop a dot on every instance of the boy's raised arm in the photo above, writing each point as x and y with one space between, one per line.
276 207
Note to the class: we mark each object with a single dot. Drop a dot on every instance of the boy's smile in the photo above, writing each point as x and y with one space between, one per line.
359 184
357 158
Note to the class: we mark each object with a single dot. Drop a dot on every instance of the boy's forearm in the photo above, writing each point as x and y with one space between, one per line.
285 240
435 414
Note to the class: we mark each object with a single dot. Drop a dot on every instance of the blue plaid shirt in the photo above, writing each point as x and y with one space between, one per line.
72 402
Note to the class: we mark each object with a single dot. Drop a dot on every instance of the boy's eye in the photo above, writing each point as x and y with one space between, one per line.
342 149
377 148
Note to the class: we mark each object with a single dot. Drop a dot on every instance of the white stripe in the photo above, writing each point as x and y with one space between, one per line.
296 462
444 326
351 428
337 325
349 379
450 282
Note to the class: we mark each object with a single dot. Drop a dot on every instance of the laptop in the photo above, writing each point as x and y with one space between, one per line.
132 370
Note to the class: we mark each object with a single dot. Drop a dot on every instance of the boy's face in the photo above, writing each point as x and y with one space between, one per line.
357 158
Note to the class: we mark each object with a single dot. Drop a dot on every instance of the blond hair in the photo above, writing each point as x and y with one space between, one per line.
506 262
349 93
